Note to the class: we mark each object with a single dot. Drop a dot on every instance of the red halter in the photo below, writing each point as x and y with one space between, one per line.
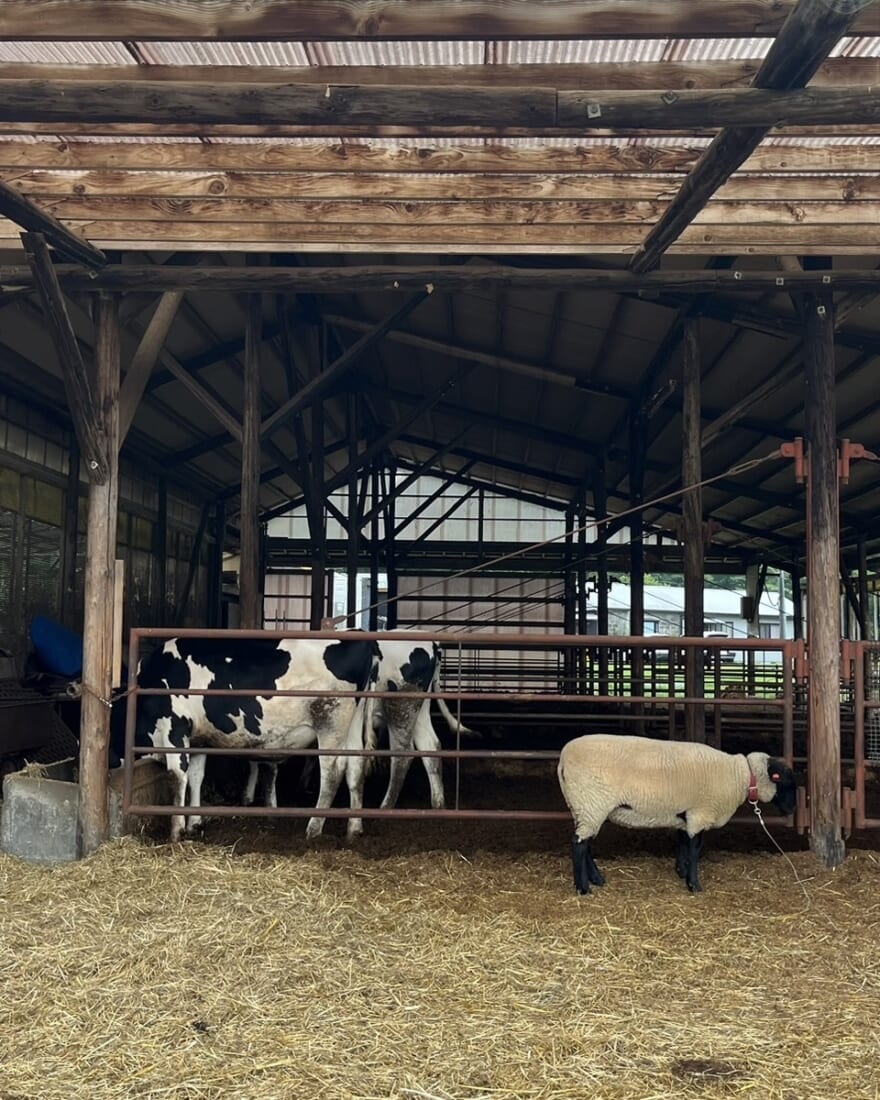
753 789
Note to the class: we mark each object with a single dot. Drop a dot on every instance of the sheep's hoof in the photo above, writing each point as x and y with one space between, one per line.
582 890
695 887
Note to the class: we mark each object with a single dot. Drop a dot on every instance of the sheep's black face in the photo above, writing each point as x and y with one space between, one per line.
786 789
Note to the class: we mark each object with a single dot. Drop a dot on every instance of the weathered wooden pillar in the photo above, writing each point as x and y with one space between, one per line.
374 550
159 563
215 580
390 551
70 537
692 529
99 587
251 612
569 601
354 527
319 520
600 502
823 608
637 447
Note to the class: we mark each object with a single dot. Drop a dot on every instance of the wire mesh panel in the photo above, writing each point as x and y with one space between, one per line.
872 717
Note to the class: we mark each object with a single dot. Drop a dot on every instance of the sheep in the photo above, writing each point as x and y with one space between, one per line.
644 783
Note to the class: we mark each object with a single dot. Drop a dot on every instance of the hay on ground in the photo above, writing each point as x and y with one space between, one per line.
435 970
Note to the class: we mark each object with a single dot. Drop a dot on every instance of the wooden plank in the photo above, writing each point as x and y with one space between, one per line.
85 411
823 560
341 20
441 109
242 160
118 605
99 584
238 236
249 580
25 213
791 211
607 76
805 40
692 526
327 186
363 278
197 131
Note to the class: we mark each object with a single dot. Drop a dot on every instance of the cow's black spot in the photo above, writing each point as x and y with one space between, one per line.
391 686
419 669
237 663
351 661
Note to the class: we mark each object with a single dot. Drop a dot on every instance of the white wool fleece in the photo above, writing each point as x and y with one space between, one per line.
643 783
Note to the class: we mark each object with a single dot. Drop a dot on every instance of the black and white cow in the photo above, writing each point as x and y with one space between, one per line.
267 722
403 666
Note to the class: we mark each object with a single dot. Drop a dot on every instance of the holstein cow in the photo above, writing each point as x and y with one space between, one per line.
272 722
403 666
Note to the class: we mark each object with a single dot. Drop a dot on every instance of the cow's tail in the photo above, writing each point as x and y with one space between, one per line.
454 725
370 739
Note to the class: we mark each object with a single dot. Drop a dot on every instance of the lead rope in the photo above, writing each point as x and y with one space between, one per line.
763 825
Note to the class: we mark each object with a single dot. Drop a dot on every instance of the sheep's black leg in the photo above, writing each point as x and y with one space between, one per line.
681 853
584 866
695 846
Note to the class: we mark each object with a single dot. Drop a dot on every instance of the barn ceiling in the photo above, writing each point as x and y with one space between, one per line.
529 390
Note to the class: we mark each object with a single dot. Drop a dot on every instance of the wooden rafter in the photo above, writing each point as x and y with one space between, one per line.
332 20
808 35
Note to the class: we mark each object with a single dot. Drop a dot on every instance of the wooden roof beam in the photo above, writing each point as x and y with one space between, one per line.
810 32
342 20
608 76
359 278
771 102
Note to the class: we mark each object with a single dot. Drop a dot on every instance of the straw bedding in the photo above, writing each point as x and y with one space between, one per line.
445 963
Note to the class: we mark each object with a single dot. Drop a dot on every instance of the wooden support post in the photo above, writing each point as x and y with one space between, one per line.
159 564
24 212
581 574
215 578
823 608
318 529
374 551
692 510
99 587
637 443
390 552
569 601
249 586
354 525
69 602
600 508
192 568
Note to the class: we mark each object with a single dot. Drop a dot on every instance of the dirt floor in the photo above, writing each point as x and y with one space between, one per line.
437 962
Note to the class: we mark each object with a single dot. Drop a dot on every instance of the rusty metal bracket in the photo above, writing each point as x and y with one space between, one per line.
795 450
849 451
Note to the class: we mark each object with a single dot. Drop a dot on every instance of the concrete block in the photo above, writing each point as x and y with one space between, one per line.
39 819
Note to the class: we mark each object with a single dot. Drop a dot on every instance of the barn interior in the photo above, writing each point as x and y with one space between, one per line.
383 280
